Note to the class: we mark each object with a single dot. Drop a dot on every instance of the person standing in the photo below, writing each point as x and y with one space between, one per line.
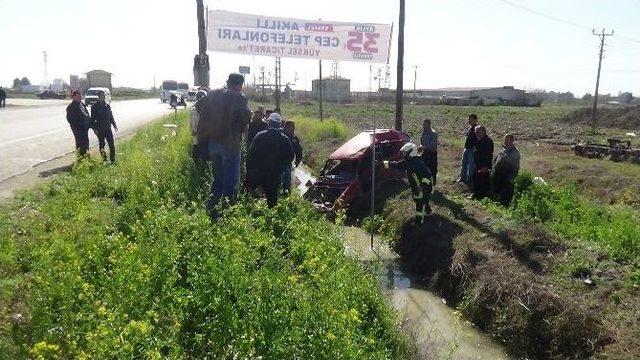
199 150
102 119
419 178
3 98
506 167
467 168
256 125
482 157
270 153
290 132
80 122
223 119
429 143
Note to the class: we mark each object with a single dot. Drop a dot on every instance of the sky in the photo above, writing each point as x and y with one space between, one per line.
453 42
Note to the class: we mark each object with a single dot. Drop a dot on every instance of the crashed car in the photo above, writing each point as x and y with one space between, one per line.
346 175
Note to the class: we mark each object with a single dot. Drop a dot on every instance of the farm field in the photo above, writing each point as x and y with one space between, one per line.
557 274
123 262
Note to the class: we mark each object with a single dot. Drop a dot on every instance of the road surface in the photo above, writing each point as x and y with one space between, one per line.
37 131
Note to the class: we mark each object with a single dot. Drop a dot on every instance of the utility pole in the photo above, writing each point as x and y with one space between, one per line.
320 87
602 36
45 82
201 60
400 68
415 78
278 80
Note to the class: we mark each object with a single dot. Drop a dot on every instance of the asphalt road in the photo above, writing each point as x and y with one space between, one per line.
36 131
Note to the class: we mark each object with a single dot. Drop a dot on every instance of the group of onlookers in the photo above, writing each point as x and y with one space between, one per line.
484 173
218 121
100 121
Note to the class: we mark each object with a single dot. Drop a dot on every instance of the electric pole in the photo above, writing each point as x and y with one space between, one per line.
46 75
602 36
415 78
278 80
400 68
201 61
320 88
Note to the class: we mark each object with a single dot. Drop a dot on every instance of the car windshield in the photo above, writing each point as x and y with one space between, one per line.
170 85
92 92
183 86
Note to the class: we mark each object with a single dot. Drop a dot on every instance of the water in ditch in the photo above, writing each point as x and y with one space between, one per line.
439 331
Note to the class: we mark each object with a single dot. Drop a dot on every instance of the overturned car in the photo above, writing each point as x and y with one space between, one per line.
346 175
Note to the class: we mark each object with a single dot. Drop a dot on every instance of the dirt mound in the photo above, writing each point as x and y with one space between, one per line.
622 118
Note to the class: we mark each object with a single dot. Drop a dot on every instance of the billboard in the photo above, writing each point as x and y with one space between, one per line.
74 82
244 70
310 39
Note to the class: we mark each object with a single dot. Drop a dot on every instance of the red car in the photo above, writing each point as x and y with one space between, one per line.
346 176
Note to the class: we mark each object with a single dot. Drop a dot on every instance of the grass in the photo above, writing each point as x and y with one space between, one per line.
563 211
122 262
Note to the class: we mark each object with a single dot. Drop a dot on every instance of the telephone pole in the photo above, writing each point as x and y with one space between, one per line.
46 74
602 36
400 68
201 60
415 78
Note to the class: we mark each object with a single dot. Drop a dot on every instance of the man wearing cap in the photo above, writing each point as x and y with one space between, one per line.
102 119
223 119
270 153
80 122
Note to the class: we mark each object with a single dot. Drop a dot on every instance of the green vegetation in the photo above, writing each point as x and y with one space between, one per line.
313 130
563 211
122 262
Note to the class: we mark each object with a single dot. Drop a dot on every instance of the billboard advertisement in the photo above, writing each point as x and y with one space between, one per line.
310 39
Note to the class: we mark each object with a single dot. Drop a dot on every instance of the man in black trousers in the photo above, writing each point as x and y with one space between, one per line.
483 158
80 122
102 118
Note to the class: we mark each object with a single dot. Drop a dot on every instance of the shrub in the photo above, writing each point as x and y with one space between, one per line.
122 262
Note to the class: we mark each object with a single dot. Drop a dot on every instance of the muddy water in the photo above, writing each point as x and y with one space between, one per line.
438 330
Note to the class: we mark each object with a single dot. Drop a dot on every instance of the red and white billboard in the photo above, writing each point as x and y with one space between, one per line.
283 37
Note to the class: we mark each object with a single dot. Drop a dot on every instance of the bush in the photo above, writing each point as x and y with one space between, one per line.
565 212
122 262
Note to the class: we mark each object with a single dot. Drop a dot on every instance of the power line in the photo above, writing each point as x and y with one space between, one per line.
554 18
545 15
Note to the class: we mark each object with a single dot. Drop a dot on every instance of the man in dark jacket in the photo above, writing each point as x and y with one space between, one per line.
419 178
3 97
482 157
467 168
80 121
102 119
256 125
429 143
505 169
269 154
289 130
223 119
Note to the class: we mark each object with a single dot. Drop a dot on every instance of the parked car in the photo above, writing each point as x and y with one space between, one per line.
48 94
91 96
346 175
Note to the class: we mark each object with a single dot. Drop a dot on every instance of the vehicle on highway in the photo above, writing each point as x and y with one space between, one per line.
346 175
167 87
191 96
91 95
48 94
183 88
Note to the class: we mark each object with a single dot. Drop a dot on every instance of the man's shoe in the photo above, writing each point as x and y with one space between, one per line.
459 180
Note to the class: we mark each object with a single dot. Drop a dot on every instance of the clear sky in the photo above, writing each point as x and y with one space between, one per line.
454 42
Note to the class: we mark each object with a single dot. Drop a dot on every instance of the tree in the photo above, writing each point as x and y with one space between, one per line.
587 97
16 83
25 81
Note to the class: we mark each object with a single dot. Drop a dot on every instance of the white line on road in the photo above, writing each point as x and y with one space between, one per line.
15 141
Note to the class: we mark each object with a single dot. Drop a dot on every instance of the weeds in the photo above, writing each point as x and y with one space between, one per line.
123 262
